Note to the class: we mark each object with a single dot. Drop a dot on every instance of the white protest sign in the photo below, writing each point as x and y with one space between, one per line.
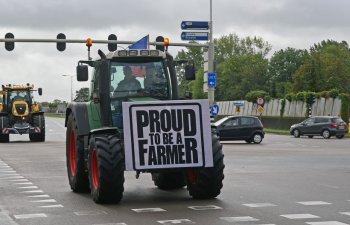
159 134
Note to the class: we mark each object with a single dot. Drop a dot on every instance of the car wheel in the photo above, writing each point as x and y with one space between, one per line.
257 138
339 136
326 134
296 133
310 136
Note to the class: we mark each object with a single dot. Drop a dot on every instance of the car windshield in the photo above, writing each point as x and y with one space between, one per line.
144 79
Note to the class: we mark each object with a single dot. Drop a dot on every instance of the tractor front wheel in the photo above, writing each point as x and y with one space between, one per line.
205 183
77 175
106 168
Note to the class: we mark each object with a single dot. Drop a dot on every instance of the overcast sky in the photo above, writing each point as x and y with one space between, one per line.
283 23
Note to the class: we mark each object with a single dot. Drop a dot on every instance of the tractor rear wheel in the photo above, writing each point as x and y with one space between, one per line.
106 168
205 183
38 121
77 175
4 123
168 181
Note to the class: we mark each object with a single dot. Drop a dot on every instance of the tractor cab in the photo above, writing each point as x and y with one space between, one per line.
130 75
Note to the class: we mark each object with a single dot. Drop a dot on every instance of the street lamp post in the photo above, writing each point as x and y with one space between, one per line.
211 90
71 86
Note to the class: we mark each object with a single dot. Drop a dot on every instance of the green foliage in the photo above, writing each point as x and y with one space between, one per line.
334 93
283 105
300 96
197 86
290 97
252 95
345 106
232 45
82 95
326 67
324 94
317 95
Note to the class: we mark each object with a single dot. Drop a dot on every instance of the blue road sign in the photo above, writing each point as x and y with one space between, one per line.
238 103
195 25
214 109
195 36
211 79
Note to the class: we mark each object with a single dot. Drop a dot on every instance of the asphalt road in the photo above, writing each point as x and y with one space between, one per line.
282 181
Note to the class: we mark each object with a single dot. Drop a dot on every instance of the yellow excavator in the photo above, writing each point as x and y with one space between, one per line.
20 114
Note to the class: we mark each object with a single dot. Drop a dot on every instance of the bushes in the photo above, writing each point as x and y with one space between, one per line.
334 93
345 106
252 95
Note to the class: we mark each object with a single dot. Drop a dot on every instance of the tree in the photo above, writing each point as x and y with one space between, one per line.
82 95
240 74
327 67
232 45
283 64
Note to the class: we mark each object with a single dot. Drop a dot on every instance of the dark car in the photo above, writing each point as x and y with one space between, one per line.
248 128
326 126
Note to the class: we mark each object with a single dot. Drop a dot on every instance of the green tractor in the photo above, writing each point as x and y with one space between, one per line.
135 121
19 114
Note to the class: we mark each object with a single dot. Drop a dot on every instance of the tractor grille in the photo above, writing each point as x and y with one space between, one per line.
21 108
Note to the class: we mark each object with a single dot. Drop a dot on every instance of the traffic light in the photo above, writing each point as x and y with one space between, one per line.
160 47
9 46
112 47
61 46
310 99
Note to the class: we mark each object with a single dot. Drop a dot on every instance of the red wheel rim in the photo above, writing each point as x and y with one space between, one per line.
94 169
72 156
192 175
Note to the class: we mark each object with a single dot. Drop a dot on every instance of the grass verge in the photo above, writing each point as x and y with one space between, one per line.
56 115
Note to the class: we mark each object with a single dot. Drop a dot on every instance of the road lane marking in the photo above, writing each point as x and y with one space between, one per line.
51 206
28 187
300 216
90 213
148 210
178 221
45 200
257 205
327 223
239 219
16 177
33 191
38 196
30 216
23 183
109 224
345 213
7 171
19 180
204 207
310 203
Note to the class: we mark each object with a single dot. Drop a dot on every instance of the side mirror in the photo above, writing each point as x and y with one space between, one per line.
190 73
40 91
82 73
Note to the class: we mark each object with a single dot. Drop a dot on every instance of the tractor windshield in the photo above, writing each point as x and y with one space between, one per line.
144 79
19 95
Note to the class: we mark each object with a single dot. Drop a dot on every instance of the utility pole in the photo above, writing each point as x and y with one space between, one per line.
211 90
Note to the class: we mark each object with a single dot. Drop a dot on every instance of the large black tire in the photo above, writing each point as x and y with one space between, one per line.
169 181
77 174
340 136
206 183
326 134
106 168
4 123
38 121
